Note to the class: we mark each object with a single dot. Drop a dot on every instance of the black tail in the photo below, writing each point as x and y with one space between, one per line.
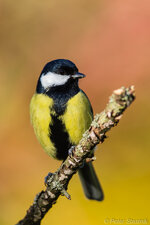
90 183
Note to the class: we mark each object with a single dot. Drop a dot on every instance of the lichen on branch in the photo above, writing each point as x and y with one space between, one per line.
57 182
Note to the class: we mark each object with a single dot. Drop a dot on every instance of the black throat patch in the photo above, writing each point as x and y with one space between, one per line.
61 95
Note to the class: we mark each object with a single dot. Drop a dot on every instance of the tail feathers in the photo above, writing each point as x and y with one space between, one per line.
90 183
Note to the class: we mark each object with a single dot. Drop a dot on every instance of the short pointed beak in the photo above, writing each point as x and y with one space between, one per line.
78 75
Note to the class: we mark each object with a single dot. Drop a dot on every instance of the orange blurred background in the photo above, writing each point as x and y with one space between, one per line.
110 42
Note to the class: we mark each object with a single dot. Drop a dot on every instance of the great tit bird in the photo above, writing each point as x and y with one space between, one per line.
60 113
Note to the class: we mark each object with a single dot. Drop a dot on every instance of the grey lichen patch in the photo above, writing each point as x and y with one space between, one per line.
131 91
85 145
37 197
37 214
56 185
46 195
118 117
72 163
45 202
79 150
103 118
85 134
119 91
95 123
92 135
68 171
109 114
51 195
66 194
77 160
62 177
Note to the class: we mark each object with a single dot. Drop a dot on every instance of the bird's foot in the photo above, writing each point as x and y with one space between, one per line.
70 151
48 179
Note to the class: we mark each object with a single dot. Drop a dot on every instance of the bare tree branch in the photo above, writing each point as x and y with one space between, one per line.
57 182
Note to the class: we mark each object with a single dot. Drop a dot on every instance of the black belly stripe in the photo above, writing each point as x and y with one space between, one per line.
60 138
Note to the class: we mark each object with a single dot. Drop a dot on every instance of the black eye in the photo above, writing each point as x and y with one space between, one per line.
66 70
62 72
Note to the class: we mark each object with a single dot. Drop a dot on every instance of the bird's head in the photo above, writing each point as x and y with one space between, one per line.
58 73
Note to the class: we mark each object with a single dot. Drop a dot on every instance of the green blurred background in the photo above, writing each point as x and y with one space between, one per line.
110 42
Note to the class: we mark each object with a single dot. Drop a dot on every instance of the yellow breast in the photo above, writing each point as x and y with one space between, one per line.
77 117
40 107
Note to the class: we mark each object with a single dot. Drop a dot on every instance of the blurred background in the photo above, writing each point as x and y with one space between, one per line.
110 42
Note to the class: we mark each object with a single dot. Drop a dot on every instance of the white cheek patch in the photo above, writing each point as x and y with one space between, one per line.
53 79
